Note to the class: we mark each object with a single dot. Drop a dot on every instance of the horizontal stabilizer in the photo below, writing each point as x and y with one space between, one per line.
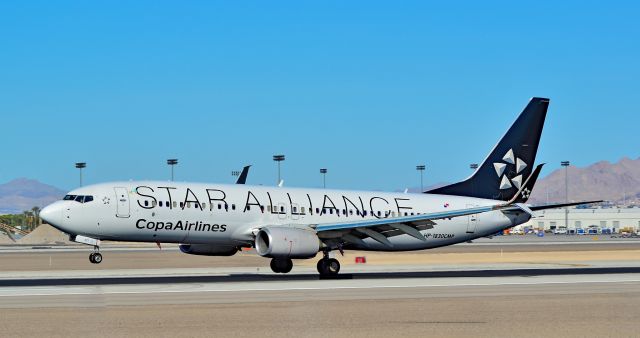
560 205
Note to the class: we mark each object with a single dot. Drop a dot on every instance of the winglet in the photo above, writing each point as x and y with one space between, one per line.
525 190
242 179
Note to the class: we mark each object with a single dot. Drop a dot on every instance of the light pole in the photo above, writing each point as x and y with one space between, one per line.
80 166
278 158
421 168
323 171
566 164
172 162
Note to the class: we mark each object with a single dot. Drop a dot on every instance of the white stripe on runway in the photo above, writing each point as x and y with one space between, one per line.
315 286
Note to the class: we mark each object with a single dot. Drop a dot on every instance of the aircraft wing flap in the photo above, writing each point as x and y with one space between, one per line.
422 220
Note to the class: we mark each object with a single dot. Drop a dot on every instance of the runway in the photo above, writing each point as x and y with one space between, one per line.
553 302
531 290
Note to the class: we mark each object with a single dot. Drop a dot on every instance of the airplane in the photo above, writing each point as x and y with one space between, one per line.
284 223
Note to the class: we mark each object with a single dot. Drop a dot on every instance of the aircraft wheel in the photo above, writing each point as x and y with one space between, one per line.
91 258
332 266
288 265
275 267
321 266
328 266
97 258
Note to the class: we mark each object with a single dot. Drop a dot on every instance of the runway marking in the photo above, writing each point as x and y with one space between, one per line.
73 291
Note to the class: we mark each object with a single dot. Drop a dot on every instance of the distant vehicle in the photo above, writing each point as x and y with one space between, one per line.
579 231
560 231
606 231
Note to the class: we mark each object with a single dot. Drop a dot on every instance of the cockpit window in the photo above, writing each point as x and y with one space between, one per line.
79 198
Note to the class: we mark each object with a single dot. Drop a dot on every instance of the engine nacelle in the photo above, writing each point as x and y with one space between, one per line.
208 249
283 242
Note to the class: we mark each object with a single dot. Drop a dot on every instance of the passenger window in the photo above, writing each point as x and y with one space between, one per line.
378 213
281 209
175 204
160 204
146 203
181 205
204 206
295 209
303 210
153 204
331 211
233 207
317 210
351 212
219 206
248 208
262 208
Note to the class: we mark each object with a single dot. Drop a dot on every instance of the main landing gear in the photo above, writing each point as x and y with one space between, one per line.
328 266
95 257
281 265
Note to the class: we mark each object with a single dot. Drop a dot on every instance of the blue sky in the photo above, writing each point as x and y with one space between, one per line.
366 89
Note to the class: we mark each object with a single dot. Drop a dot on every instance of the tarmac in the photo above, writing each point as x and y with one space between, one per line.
590 288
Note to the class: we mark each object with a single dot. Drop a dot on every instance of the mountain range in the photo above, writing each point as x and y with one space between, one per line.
23 194
618 183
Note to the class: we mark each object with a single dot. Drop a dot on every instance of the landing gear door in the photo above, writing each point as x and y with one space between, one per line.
122 198
472 220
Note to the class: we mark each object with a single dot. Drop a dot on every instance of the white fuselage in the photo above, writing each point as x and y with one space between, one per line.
229 215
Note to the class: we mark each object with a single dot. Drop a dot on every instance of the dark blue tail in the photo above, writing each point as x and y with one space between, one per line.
510 162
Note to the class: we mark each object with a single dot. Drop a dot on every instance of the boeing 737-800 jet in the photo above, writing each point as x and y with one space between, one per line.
285 223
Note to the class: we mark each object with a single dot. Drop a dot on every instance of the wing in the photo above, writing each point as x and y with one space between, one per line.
380 229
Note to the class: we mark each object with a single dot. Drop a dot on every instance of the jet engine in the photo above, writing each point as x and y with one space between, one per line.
208 249
283 242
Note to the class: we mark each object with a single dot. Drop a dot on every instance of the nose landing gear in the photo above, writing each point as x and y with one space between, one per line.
328 266
95 257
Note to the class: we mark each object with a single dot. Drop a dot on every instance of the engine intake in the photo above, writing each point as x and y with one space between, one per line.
283 242
208 249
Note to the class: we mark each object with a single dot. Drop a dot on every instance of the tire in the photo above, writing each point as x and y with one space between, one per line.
274 266
91 258
288 266
321 266
97 258
333 266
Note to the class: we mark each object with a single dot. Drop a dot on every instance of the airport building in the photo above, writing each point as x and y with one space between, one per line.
601 220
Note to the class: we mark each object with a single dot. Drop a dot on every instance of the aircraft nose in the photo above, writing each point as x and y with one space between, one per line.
52 214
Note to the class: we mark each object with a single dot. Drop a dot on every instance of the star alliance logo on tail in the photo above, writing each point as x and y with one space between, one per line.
500 167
